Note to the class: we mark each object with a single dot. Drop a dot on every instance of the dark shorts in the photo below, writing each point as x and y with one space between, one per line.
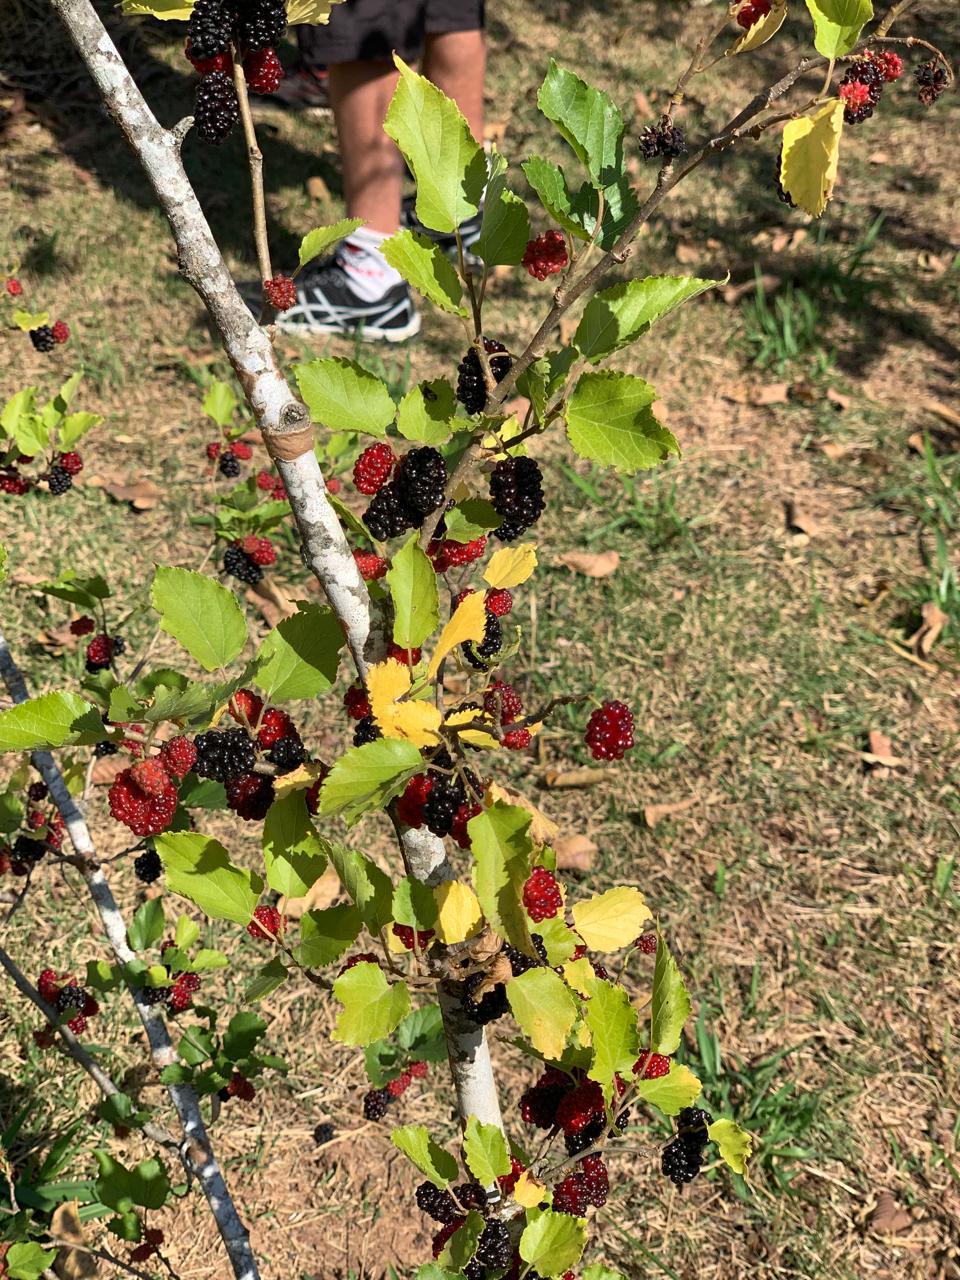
370 30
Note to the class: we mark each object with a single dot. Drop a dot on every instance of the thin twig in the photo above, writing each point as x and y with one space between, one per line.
255 161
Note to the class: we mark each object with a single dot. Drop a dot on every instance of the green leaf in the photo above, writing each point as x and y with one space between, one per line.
3 563
735 1143
619 315
424 265
27 320
199 868
367 887
186 933
502 849
416 601
414 904
485 1151
102 976
119 1109
434 1271
470 519
505 228
207 959
545 1009
326 935
588 119
597 1271
343 396
61 401
11 812
320 239
51 720
549 183
371 1006
83 592
31 434
75 427
21 403
146 1185
425 412
559 940
421 1034
368 777
300 656
612 1022
244 1032
437 1165
219 403
203 793
196 1045
146 927
552 1242
610 421
201 614
447 162
293 854
669 1002
28 1261
462 1245
837 24
266 980
542 379
679 1088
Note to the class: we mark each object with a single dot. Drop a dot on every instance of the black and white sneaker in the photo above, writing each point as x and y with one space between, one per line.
326 303
469 232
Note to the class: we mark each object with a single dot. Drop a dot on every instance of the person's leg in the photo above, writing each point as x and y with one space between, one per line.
360 93
456 62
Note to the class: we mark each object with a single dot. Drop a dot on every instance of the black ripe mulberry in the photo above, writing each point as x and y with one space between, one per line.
375 1104
259 24
680 1163
494 1248
71 997
481 655
42 338
446 796
367 730
516 492
287 753
229 464
237 563
471 390
491 1005
209 28
224 754
59 480
437 1203
216 109
147 866
421 478
388 515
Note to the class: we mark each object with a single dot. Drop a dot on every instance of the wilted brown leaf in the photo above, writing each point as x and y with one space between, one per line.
688 253
732 293
71 1264
838 399
833 449
585 777
769 393
804 392
942 410
543 830
495 131
592 564
317 188
888 1219
105 770
799 521
271 600
57 640
568 327
575 853
654 813
879 757
928 633
142 495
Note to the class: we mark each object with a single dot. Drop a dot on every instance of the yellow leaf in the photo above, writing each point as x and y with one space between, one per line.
611 920
809 157
298 779
218 715
459 916
761 31
510 566
394 944
579 975
581 1037
72 1264
311 13
163 9
528 1191
475 737
418 722
466 624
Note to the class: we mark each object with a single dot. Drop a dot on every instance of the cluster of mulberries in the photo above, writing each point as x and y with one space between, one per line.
471 388
860 90
516 494
417 489
102 650
932 79
58 476
546 255
43 830
480 654
246 558
661 141
68 999
573 1105
683 1156
217 29
376 1102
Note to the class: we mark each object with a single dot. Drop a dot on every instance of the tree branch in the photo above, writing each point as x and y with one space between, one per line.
255 160
196 1145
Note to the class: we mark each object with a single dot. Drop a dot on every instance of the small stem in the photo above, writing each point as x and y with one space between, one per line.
829 76
255 160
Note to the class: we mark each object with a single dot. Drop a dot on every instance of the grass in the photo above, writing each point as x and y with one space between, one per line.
813 899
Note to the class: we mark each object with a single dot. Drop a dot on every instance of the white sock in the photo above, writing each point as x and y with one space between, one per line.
369 272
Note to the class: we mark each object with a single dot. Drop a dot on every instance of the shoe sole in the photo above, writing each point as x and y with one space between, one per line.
367 333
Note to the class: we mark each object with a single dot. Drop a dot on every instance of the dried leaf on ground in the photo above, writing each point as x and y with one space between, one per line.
575 853
654 813
769 393
833 449
565 778
732 293
688 253
928 633
838 399
799 521
888 1219
592 564
317 188
272 601
879 756
142 495
105 770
